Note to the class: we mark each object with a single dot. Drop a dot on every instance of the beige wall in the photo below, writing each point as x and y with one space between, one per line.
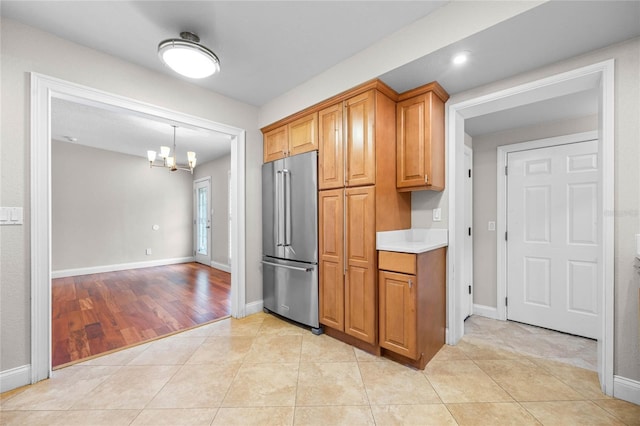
485 155
104 205
452 22
626 181
24 50
218 170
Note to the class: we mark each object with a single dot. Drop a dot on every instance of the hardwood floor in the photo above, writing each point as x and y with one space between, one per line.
93 314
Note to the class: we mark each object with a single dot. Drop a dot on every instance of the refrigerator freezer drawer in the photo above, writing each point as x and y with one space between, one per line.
290 289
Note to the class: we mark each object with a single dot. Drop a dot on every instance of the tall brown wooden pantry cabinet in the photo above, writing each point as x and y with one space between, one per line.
357 198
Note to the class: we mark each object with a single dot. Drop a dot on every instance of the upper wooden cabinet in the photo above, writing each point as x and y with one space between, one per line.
276 143
296 137
347 154
331 149
360 121
303 134
420 139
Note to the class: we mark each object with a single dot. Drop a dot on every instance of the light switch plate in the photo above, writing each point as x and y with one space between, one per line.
492 226
11 216
437 214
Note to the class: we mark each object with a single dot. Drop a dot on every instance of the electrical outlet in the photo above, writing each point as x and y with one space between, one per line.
148 251
437 214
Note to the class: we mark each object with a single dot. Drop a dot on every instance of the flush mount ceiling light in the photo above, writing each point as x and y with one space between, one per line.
461 58
188 57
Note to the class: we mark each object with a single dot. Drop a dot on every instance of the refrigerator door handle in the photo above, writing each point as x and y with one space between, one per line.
279 265
279 207
286 189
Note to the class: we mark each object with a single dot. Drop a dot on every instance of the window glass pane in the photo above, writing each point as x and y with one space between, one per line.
202 221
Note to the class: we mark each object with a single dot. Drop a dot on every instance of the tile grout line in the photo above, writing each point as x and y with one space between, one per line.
253 338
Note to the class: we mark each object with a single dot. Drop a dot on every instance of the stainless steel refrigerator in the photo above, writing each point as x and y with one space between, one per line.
290 238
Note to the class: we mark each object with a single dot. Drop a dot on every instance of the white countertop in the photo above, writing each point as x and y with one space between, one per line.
412 240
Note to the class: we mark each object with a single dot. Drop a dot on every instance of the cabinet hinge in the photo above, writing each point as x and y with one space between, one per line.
506 168
469 289
505 237
469 231
506 301
469 172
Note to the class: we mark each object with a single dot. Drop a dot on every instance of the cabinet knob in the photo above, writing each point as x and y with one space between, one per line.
426 178
410 283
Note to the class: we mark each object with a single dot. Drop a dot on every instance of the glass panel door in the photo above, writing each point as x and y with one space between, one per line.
202 221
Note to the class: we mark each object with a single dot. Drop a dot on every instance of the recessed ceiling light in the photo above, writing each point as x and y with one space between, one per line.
188 57
461 58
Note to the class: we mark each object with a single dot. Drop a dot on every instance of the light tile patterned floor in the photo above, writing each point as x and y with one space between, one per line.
263 371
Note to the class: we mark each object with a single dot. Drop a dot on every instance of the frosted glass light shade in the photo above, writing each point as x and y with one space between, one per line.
171 161
164 151
151 156
188 58
193 163
191 156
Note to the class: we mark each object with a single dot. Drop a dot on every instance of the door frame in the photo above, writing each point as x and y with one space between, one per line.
195 218
468 261
501 217
600 76
45 88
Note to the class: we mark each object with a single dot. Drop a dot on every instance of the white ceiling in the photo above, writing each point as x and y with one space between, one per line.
579 104
265 47
134 134
269 47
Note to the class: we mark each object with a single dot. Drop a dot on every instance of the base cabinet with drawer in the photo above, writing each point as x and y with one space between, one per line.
412 305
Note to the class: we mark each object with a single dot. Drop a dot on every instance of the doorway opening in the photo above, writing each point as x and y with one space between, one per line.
44 89
598 77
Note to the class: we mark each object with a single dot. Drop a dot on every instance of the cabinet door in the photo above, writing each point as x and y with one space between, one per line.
398 313
414 154
420 143
303 134
360 140
331 150
331 244
275 143
360 280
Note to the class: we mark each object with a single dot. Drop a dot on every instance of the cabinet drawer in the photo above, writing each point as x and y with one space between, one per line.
397 262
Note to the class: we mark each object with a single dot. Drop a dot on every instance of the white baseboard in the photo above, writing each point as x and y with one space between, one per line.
221 266
626 389
253 307
118 267
486 311
15 378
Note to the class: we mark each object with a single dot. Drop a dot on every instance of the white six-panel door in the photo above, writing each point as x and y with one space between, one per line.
552 237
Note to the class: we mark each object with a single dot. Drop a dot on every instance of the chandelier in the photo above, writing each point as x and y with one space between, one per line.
169 161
